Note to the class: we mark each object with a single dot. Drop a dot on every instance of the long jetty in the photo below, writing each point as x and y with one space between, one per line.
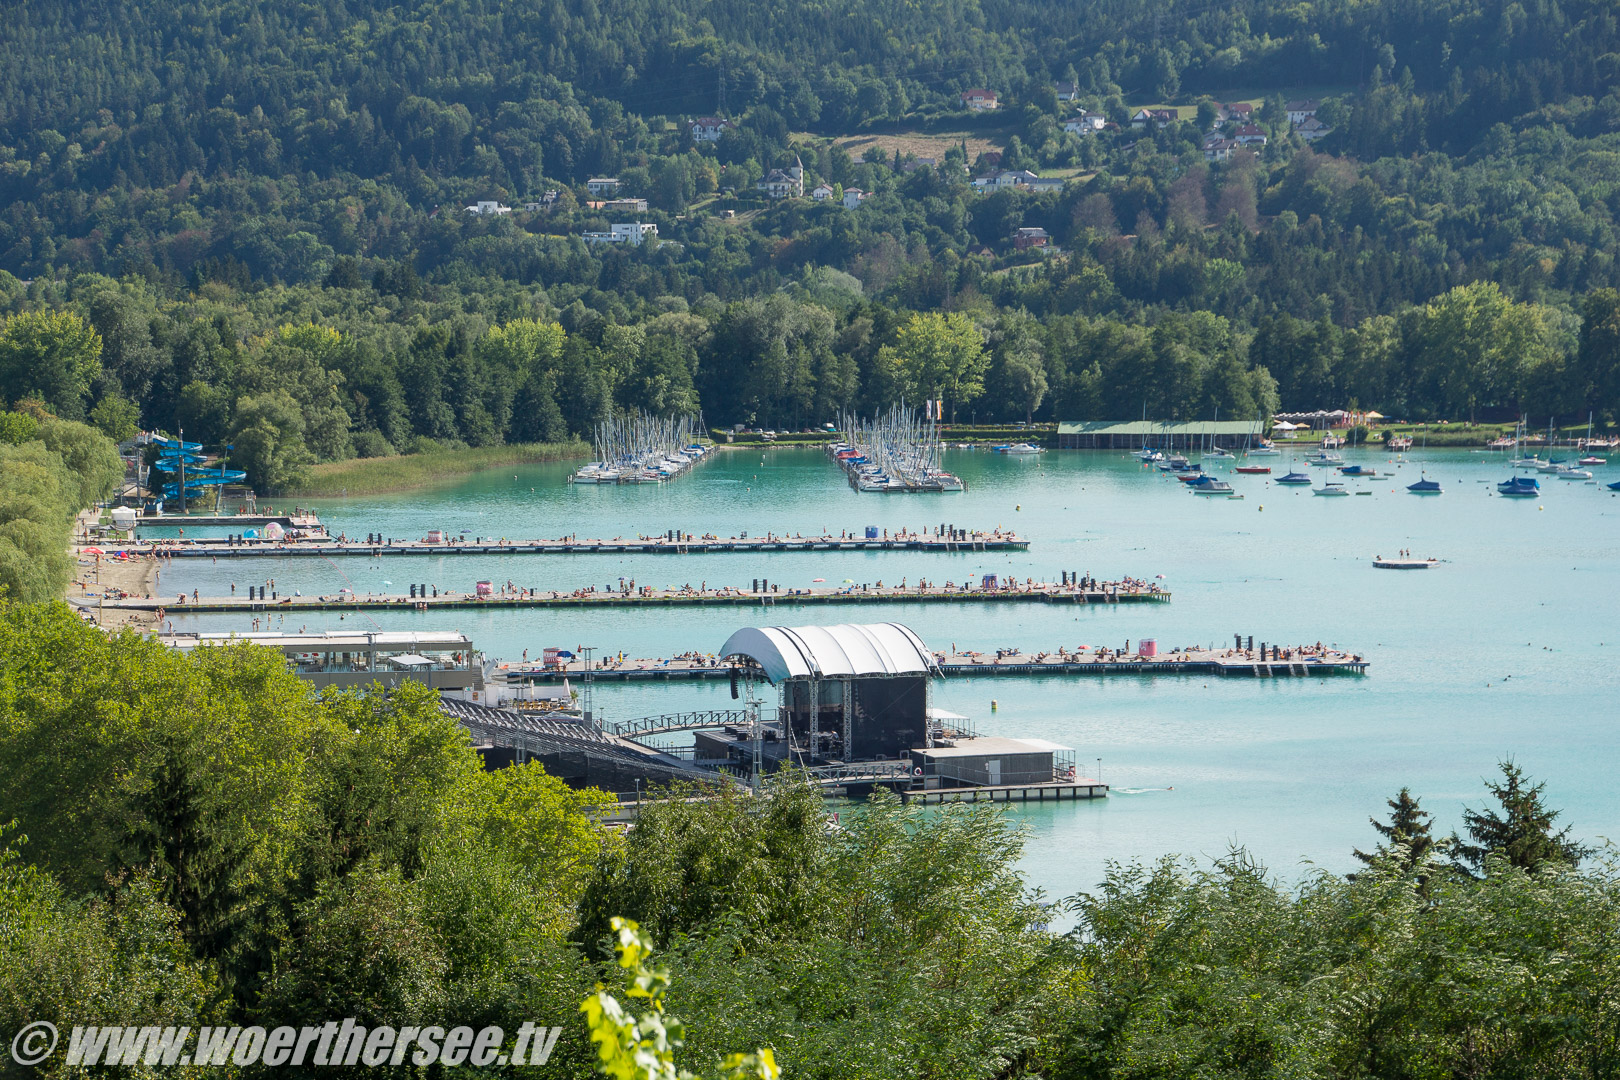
1299 661
673 543
1090 592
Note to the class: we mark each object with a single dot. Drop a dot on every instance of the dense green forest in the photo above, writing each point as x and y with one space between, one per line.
259 212
202 839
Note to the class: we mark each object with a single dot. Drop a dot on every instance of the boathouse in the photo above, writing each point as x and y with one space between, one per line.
1160 435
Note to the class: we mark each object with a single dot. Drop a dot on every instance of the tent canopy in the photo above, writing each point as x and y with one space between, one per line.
848 649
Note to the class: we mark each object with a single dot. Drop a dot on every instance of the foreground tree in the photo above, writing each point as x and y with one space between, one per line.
1408 838
1522 832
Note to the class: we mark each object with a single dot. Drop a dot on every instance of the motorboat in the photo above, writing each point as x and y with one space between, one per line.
1358 470
1424 487
1295 478
1148 454
1330 489
1209 485
1254 470
1567 473
1519 487
1593 459
1020 449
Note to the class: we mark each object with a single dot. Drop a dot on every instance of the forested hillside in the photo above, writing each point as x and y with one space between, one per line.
260 210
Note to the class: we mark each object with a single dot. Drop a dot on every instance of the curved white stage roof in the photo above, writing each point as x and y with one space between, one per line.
796 652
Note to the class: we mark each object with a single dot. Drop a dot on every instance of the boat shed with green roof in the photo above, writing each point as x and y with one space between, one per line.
1161 435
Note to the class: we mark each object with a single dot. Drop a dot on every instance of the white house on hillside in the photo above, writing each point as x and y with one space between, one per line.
821 192
488 206
853 197
1085 124
630 233
602 185
708 128
784 183
1300 111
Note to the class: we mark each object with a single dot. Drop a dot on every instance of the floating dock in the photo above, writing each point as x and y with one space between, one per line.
1301 661
295 520
1038 593
951 540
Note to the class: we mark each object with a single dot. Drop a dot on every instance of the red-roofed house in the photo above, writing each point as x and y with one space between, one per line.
980 100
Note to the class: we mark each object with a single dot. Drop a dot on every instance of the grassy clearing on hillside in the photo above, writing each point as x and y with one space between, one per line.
401 472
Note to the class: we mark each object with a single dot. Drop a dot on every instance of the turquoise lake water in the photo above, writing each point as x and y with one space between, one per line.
1510 647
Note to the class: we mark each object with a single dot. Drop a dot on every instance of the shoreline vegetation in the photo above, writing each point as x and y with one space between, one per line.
404 472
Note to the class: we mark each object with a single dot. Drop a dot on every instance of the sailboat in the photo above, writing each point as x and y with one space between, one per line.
1424 486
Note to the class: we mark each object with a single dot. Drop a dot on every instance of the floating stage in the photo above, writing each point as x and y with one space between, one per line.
1038 593
950 540
1226 663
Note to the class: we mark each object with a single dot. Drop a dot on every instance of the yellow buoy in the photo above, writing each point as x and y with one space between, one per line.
993 705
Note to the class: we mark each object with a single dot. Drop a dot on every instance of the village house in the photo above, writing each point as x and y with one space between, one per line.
1160 117
488 206
1033 237
1218 149
1249 135
1236 113
1046 183
821 192
1300 111
1085 123
1066 91
708 128
784 183
546 201
602 185
853 197
631 234
625 206
1311 129
979 100
1004 180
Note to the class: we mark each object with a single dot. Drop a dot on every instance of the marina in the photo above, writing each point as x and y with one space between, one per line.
898 452
643 449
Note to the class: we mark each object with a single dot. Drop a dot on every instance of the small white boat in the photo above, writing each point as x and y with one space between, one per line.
1593 460
1219 454
1573 474
1022 449
1330 489
1325 458
1263 450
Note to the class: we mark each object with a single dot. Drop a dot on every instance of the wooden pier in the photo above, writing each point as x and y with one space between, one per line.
683 544
1053 792
1298 661
298 519
1038 593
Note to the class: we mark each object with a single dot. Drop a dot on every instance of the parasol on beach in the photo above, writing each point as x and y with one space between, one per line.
91 551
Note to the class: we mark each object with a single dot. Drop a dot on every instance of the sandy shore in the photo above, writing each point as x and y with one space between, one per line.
97 576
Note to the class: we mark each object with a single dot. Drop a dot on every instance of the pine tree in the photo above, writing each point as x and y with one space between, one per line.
1409 828
1522 832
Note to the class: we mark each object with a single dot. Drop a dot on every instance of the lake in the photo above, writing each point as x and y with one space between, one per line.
1502 650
